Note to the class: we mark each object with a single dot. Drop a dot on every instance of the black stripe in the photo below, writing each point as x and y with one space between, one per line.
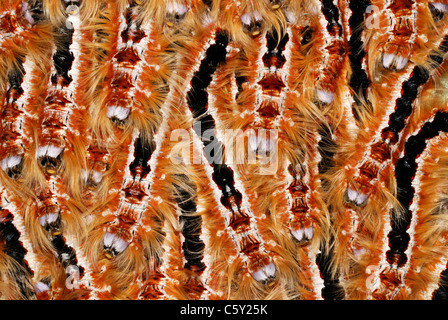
410 90
208 3
441 293
274 43
332 289
15 76
276 46
63 57
215 55
142 154
327 147
13 247
307 36
403 107
331 13
405 172
197 97
359 81
36 11
66 255
192 246
406 166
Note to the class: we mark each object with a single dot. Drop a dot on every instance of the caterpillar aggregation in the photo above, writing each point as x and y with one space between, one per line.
221 150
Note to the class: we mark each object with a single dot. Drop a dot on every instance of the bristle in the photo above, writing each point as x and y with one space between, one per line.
219 149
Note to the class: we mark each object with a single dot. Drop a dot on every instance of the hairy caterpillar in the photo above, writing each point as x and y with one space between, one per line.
189 149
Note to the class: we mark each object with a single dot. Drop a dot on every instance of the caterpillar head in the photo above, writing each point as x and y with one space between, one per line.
50 219
49 157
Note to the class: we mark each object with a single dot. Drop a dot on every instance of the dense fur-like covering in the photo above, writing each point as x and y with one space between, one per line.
220 149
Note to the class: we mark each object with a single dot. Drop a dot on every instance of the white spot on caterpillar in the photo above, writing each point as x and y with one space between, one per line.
440 6
248 17
390 59
387 59
175 7
325 96
48 218
303 234
41 287
261 144
49 150
356 197
112 241
264 273
118 112
26 13
97 176
10 162
401 62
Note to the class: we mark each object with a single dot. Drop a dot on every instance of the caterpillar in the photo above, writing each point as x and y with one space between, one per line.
372 165
218 150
